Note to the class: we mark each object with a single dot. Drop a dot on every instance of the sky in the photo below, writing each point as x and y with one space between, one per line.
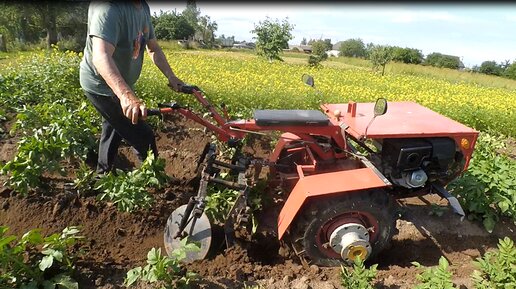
474 32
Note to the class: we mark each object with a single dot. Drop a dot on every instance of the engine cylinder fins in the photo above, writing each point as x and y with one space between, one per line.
200 234
350 241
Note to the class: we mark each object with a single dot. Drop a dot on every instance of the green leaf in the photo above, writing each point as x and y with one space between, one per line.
48 285
152 276
504 206
132 276
65 281
69 231
443 263
6 240
33 237
46 262
489 224
153 256
30 285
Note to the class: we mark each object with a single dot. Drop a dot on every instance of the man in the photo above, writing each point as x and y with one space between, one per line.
118 33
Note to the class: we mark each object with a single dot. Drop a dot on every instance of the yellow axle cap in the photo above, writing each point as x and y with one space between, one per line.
351 240
357 251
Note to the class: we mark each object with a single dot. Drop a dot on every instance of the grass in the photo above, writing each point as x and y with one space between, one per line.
451 75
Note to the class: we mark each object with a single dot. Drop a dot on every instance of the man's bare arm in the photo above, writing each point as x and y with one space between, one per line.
102 58
160 60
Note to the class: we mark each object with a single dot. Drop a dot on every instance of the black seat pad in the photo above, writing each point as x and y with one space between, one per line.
274 117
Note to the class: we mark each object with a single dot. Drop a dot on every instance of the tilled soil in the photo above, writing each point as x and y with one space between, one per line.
116 242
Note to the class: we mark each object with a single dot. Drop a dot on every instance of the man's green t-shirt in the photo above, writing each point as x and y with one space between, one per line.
126 26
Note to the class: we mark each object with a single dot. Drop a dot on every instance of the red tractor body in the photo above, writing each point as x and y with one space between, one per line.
341 170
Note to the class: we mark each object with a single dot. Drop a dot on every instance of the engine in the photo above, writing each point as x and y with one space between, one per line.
414 162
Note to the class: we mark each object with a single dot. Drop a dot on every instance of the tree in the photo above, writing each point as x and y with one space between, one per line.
170 26
272 37
319 48
510 72
192 14
303 42
369 47
328 44
352 48
441 60
25 22
380 56
407 55
206 30
491 68
505 64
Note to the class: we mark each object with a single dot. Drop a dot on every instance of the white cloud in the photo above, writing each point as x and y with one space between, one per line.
420 16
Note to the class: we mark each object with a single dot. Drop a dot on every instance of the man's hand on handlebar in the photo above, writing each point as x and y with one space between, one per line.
132 107
175 83
184 88
189 89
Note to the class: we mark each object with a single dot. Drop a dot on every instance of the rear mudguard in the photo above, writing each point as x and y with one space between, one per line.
329 184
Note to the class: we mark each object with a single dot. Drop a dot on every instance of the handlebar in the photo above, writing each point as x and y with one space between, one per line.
153 111
189 89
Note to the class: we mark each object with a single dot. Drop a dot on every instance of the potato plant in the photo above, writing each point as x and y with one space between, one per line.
166 270
50 133
497 269
129 190
359 277
435 278
35 261
488 188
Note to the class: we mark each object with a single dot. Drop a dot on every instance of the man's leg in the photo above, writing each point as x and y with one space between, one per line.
140 136
108 147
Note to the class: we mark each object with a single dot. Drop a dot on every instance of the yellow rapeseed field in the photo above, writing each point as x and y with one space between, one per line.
246 82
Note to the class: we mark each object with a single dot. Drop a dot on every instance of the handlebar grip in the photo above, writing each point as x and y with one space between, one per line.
188 89
153 111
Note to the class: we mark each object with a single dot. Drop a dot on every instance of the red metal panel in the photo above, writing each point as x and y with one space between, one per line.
324 184
403 119
284 140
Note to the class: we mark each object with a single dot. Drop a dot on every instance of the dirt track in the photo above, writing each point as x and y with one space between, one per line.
116 242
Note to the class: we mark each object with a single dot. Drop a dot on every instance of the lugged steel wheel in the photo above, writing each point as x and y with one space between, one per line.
332 231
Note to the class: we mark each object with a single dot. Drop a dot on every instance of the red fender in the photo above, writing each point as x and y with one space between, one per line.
325 184
285 139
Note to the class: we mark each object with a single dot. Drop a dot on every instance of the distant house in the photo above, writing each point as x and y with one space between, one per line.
304 48
244 45
333 52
